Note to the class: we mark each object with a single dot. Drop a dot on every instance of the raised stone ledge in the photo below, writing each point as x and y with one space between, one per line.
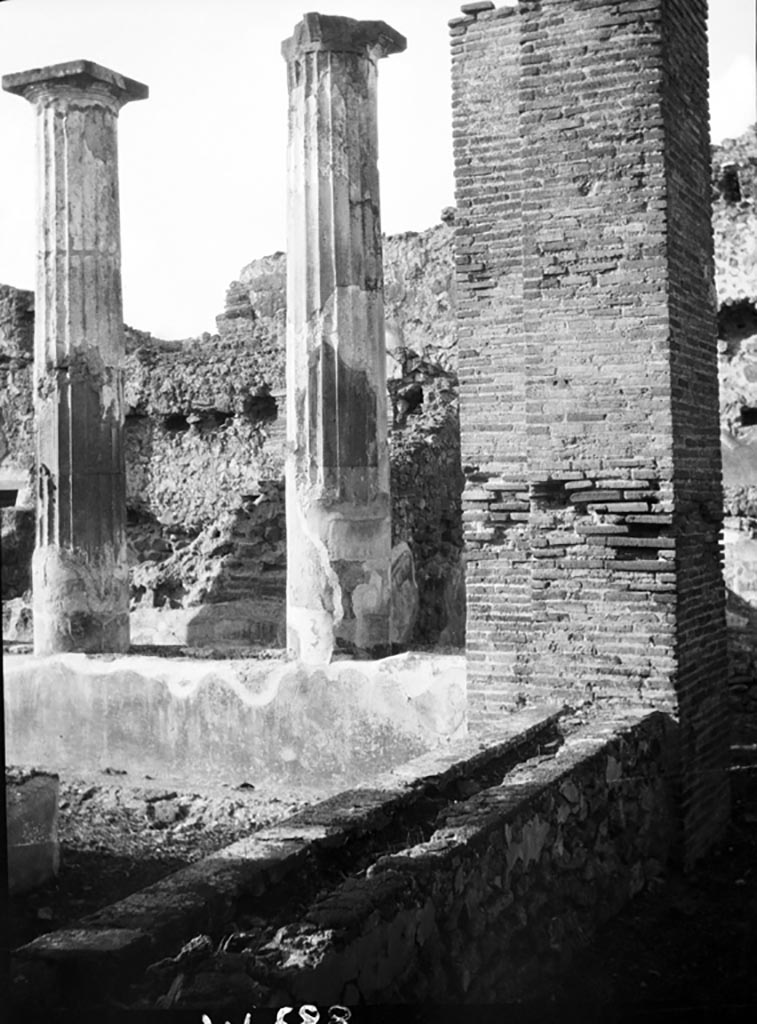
124 937
555 849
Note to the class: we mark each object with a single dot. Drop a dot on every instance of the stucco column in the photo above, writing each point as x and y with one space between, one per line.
80 575
338 507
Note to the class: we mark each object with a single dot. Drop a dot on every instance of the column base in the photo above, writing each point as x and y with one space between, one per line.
312 639
80 603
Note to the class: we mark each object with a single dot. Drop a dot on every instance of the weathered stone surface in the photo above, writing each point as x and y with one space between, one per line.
17 620
158 921
735 218
170 463
735 234
31 800
245 623
80 573
404 600
338 504
239 556
424 443
737 367
419 297
318 32
514 879
78 75
204 446
17 548
740 570
453 633
16 393
213 720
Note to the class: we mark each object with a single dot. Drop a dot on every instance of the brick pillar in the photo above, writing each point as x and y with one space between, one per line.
80 575
337 479
589 389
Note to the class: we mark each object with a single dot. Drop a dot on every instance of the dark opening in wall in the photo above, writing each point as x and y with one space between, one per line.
176 423
215 418
135 516
261 408
549 494
405 401
748 417
737 321
8 498
729 184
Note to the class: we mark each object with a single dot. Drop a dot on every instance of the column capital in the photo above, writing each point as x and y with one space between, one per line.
81 75
342 35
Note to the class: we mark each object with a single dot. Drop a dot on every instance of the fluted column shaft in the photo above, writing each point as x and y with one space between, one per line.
80 572
338 504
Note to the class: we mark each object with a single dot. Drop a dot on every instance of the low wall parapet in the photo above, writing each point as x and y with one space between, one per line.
512 882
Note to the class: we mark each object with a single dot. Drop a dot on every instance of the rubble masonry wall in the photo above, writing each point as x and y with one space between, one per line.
512 882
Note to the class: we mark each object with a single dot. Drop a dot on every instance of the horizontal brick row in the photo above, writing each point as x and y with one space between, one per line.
589 411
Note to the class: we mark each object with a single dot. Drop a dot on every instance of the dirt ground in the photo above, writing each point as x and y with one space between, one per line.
117 838
688 943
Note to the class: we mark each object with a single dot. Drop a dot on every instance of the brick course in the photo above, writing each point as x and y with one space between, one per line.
589 411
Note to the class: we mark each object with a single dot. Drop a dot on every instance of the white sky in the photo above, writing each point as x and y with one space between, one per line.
202 162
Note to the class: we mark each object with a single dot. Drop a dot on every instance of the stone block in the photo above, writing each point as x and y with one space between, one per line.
31 801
